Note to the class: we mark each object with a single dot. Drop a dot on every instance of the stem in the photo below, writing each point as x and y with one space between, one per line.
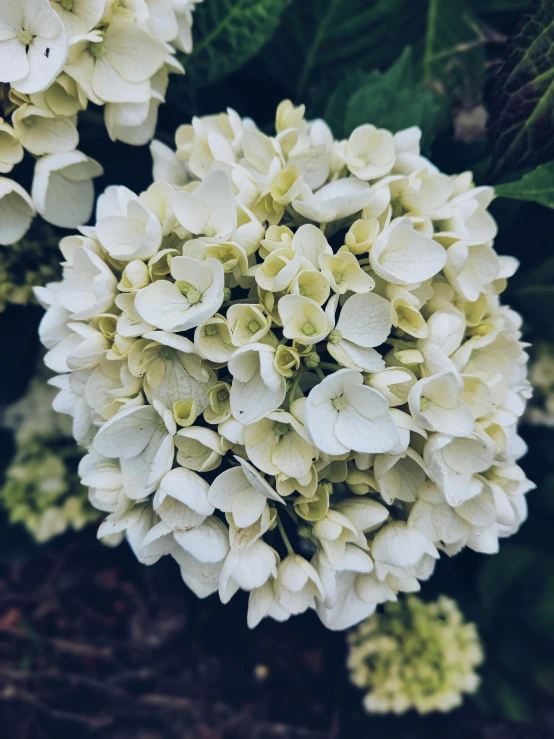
330 365
294 386
284 536
238 300
319 373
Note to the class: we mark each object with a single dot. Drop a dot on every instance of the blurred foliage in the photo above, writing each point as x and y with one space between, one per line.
522 122
394 99
444 65
229 32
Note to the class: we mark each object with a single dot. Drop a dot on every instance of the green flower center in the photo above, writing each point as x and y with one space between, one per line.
281 428
189 291
166 354
335 337
253 326
210 329
340 403
25 37
97 49
67 4
308 329
222 396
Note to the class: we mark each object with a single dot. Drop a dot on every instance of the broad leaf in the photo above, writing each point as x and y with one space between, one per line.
521 125
227 33
322 40
451 30
392 100
536 186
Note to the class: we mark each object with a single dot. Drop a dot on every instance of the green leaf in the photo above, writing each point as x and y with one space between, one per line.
227 33
536 186
333 107
322 40
451 29
521 124
393 100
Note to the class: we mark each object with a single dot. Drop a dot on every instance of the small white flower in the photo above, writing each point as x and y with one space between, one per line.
142 437
195 296
82 348
33 45
435 403
181 500
343 414
303 319
403 256
166 165
369 152
297 584
210 210
11 151
17 210
115 65
91 288
364 323
247 569
125 227
263 602
41 132
336 200
63 191
243 492
278 443
199 448
399 550
470 218
79 16
257 387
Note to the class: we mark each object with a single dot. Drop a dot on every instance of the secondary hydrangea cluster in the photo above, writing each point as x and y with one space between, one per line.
540 411
56 57
42 488
29 263
290 366
415 655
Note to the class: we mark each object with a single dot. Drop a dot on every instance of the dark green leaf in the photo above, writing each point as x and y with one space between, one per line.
326 39
451 27
521 125
537 186
393 100
227 33
333 109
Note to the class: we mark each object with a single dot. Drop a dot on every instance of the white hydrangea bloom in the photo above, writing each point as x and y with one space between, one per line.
59 55
287 359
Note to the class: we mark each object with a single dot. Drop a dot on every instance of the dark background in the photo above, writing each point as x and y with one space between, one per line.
92 644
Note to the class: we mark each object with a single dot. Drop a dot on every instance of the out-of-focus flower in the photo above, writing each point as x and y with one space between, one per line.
415 655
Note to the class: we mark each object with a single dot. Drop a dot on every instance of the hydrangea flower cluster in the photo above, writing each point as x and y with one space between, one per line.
415 655
290 366
57 56
42 490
